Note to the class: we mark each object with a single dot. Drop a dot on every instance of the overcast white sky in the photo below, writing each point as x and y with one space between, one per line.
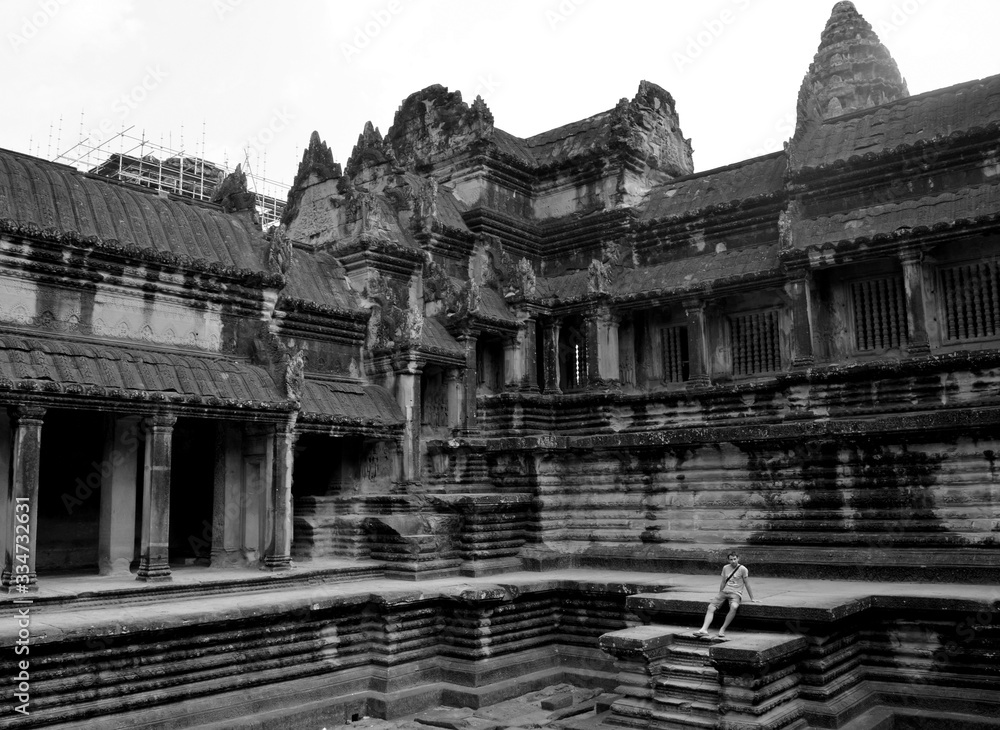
259 76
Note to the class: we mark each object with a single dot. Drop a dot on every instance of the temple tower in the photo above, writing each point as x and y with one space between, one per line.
851 70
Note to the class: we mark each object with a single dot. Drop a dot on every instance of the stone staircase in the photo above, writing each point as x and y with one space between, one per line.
687 690
671 680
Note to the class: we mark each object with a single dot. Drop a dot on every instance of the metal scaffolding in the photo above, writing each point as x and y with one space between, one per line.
142 162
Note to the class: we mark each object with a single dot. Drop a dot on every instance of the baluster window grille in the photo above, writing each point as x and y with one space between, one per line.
573 354
675 354
879 307
971 298
756 343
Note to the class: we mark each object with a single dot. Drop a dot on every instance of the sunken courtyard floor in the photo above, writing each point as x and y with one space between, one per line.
333 643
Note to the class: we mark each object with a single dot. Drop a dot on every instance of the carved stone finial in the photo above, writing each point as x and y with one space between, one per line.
851 70
526 278
786 218
598 277
425 206
279 253
481 113
232 193
295 376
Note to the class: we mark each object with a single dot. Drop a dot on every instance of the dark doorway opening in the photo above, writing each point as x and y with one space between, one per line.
192 488
69 492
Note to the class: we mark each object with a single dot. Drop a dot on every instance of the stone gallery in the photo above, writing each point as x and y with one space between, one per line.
540 379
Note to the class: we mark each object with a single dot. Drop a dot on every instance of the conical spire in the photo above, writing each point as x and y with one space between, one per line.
317 165
851 70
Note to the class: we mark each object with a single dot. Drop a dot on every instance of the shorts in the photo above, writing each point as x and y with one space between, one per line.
733 598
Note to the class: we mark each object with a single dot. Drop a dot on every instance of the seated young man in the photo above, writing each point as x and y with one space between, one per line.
735 578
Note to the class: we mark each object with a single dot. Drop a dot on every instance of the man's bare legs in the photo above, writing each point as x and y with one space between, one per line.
729 617
709 615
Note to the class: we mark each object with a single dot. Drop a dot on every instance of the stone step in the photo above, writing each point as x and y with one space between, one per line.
684 645
684 705
668 673
679 719
691 661
706 693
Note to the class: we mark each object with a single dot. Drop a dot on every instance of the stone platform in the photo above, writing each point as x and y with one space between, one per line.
320 645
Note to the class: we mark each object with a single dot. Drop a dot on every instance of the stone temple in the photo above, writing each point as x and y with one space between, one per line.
486 413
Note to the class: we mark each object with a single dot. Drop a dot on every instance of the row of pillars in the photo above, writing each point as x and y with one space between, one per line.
600 344
19 508
602 332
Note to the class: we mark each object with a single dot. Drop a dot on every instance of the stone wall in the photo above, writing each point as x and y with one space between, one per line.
306 657
888 477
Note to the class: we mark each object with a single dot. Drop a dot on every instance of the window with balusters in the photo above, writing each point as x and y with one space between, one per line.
674 345
970 300
878 309
755 341
573 369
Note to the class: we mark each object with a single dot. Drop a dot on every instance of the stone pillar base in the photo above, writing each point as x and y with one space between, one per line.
119 568
277 562
153 572
698 381
12 586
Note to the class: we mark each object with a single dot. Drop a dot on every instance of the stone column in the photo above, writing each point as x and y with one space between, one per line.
255 506
408 398
799 288
529 363
116 544
698 377
468 341
551 357
513 365
19 564
278 554
227 510
916 303
455 393
626 353
590 348
154 548
602 331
